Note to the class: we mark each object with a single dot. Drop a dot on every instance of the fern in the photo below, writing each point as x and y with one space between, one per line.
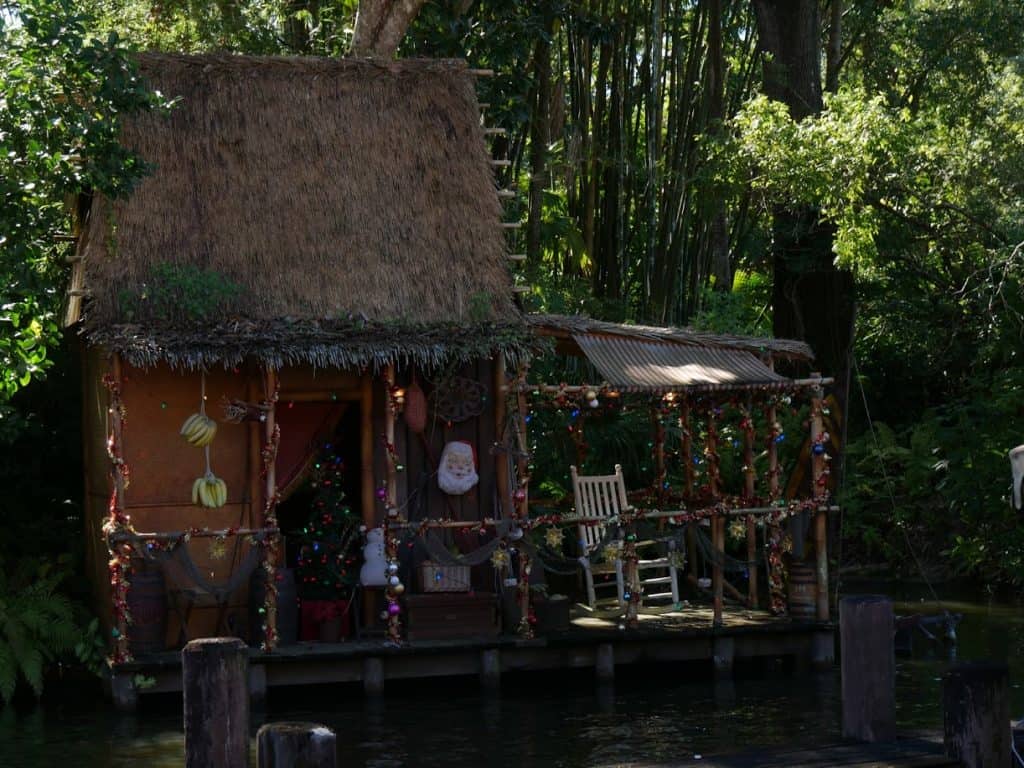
37 627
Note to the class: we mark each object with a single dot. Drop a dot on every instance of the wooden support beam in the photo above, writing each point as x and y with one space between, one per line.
501 457
717 521
480 72
269 518
819 490
868 668
749 479
215 683
685 429
367 489
390 471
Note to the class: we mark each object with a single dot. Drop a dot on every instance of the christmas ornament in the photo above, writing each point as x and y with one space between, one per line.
553 537
457 471
500 559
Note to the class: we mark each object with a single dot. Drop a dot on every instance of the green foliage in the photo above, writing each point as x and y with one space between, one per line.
63 90
37 626
179 291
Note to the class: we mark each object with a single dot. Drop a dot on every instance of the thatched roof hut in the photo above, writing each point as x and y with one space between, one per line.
337 212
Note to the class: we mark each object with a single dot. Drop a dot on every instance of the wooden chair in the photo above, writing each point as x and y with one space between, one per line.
604 496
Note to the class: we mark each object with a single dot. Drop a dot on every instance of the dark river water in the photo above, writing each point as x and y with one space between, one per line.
653 714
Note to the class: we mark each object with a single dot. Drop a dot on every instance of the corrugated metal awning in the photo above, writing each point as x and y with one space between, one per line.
635 365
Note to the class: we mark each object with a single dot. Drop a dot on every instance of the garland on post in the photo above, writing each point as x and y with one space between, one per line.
118 522
270 543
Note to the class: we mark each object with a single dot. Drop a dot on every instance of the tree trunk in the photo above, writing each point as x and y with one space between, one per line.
812 299
381 25
718 239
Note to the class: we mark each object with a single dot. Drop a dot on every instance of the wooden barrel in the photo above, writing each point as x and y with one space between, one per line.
287 607
147 606
802 592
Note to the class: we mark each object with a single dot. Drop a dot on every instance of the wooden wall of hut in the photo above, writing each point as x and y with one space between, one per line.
163 466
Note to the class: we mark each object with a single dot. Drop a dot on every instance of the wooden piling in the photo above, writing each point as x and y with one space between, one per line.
723 654
976 714
373 676
868 668
490 668
820 492
296 745
215 683
604 664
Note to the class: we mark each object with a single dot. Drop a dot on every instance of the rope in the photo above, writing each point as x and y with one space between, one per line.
889 487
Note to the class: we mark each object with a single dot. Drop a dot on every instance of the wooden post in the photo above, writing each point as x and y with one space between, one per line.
723 653
976 714
373 676
685 428
271 433
367 490
749 478
604 664
868 668
296 745
120 553
490 668
215 685
819 492
390 472
500 418
523 448
717 521
773 532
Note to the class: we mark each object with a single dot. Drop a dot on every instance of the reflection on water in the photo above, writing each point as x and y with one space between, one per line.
652 714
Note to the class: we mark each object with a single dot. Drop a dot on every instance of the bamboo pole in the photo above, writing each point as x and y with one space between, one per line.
269 509
367 489
749 477
717 521
501 457
523 509
390 471
685 428
570 389
119 592
773 534
819 491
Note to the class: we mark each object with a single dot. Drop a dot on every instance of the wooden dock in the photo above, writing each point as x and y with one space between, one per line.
919 751
595 640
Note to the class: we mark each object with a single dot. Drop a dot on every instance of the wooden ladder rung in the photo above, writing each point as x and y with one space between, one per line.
508 193
521 289
511 224
495 132
517 257
501 163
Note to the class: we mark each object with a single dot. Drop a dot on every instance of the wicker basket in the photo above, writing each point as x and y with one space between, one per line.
444 578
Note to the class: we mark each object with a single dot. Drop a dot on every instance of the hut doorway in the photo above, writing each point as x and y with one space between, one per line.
315 435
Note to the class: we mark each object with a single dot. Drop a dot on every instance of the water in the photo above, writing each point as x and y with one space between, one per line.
662 714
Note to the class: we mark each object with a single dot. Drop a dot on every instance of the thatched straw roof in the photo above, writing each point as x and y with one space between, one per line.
337 211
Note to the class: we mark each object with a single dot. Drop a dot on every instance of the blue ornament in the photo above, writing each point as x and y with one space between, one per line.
818 449
781 437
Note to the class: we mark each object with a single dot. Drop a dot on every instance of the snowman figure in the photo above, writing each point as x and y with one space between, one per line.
374 572
457 471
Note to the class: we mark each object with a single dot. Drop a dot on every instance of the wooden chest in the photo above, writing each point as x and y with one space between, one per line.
449 616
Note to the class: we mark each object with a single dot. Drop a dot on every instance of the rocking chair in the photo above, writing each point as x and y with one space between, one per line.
604 496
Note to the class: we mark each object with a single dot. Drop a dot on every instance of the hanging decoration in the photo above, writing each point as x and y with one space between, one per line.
456 473
199 429
374 569
118 522
268 455
415 407
459 399
554 537
500 559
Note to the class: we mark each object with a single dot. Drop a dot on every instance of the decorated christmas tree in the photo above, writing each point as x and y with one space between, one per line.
328 564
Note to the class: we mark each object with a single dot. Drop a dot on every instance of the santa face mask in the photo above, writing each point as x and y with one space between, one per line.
457 471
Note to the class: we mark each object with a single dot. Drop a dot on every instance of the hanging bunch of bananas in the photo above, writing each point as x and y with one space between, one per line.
209 491
199 429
